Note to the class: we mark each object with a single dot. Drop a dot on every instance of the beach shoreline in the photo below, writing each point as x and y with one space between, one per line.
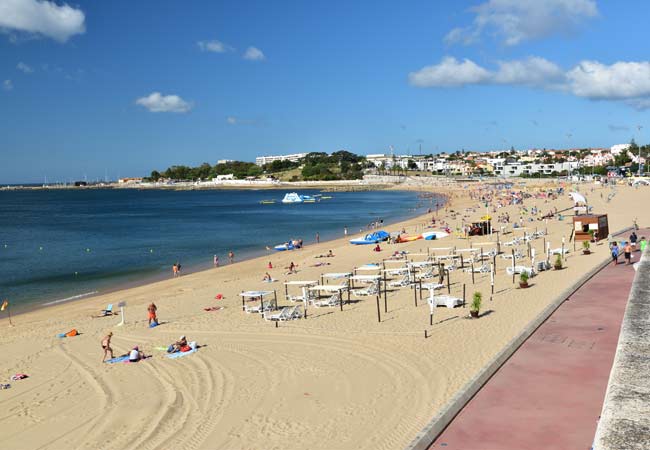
354 381
193 268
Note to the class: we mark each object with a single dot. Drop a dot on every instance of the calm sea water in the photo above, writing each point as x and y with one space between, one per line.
58 244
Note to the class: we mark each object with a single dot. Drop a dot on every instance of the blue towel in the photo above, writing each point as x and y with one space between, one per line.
118 359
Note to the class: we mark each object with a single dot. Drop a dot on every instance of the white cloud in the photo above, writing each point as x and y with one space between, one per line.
59 22
254 54
450 72
532 71
156 102
621 80
7 85
214 46
231 120
624 81
515 21
24 68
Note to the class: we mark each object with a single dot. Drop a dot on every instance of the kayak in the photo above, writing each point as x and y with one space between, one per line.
431 235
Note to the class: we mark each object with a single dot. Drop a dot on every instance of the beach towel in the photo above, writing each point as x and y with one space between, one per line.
117 359
153 324
19 376
70 333
180 354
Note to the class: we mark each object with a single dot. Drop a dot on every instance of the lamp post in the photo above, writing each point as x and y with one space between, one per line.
639 127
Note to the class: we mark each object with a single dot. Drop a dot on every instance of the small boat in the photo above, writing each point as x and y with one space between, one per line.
325 197
372 238
267 202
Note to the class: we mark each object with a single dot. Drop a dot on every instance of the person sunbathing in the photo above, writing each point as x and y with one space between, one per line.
136 355
178 345
267 278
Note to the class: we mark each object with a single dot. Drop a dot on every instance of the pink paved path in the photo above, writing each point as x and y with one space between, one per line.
549 394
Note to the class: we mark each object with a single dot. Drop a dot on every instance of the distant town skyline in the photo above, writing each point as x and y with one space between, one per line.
102 90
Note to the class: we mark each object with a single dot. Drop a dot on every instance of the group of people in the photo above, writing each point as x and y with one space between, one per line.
628 247
135 354
176 269
231 259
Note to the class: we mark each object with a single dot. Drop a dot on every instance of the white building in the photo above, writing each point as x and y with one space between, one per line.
618 148
515 169
261 160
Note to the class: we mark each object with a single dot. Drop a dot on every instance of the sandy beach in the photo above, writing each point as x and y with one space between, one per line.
336 380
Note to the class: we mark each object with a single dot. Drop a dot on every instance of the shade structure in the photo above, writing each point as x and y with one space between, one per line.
577 197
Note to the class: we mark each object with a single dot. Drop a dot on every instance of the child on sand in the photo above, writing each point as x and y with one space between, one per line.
151 309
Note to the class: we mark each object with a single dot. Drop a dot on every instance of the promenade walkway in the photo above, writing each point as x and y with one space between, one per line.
550 393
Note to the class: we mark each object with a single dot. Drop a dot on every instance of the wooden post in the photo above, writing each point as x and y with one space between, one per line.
275 299
462 263
513 266
448 283
415 294
463 295
378 311
243 300
420 290
286 290
472 269
431 319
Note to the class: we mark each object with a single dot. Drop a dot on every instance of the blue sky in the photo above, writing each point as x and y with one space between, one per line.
121 88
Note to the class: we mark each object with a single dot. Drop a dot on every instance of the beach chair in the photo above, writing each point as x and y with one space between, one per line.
372 289
485 268
520 269
404 281
331 301
296 313
108 311
425 275
265 306
448 301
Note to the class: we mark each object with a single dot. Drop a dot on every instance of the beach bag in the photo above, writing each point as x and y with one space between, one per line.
186 348
72 332
153 324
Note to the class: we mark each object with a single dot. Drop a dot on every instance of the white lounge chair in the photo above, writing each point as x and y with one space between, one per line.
448 301
331 301
372 289
404 281
266 305
521 269
425 275
485 268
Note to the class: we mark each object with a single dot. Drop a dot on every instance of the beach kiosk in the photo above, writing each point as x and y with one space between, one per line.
584 223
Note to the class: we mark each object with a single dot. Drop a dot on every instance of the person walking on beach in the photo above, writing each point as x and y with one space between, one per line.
633 239
174 270
231 257
627 251
615 253
317 237
345 231
216 261
106 345
151 309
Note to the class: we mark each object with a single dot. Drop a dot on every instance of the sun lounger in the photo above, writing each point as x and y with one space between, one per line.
404 281
331 301
372 289
265 306
448 301
286 313
520 269
485 268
